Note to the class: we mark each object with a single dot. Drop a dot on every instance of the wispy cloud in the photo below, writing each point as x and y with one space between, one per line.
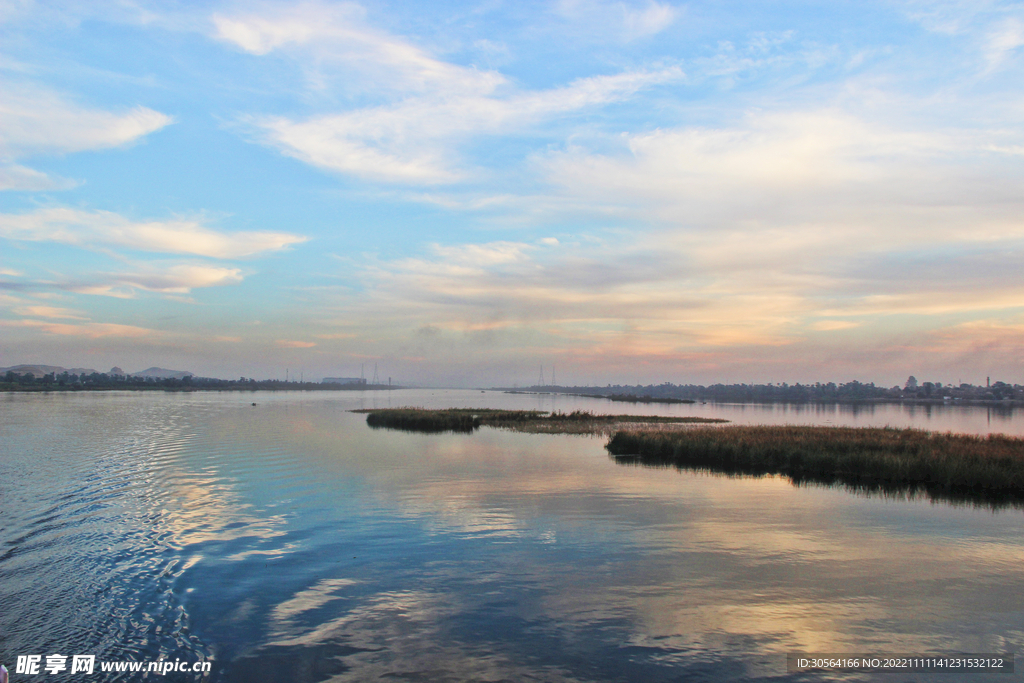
108 229
762 235
591 296
336 35
954 16
994 28
439 106
622 20
292 344
50 312
1003 41
655 17
417 140
832 325
659 183
807 177
37 121
87 330
794 151
155 277
16 177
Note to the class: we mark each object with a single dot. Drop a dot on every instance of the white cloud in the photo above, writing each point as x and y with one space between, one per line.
1003 41
431 106
38 121
172 279
16 177
993 28
413 141
805 176
182 278
619 20
35 121
105 228
335 35
947 16
754 235
654 18
654 300
344 144
483 255
802 151
593 296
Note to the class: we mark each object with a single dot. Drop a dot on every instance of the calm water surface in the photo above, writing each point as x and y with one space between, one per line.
289 542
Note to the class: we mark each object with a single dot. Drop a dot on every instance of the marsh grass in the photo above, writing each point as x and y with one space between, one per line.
988 470
448 420
468 419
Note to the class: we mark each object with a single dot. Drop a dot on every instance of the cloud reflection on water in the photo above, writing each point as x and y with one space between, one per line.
294 543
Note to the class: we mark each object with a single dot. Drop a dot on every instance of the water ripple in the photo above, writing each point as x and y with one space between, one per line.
288 542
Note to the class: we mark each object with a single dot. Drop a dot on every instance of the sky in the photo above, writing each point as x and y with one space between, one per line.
459 193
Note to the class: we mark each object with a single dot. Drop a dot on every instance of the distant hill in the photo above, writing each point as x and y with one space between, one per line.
161 373
40 370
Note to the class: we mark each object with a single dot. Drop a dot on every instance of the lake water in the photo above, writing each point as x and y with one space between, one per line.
289 542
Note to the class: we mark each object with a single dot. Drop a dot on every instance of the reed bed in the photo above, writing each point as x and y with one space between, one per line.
469 419
987 469
448 420
607 425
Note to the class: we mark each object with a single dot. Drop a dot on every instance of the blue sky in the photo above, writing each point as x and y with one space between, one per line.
459 192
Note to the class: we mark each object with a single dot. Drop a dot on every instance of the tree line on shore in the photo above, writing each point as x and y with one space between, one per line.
800 393
65 381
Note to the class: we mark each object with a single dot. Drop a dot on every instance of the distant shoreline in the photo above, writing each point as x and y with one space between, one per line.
21 379
927 393
835 401
273 386
5 389
622 398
